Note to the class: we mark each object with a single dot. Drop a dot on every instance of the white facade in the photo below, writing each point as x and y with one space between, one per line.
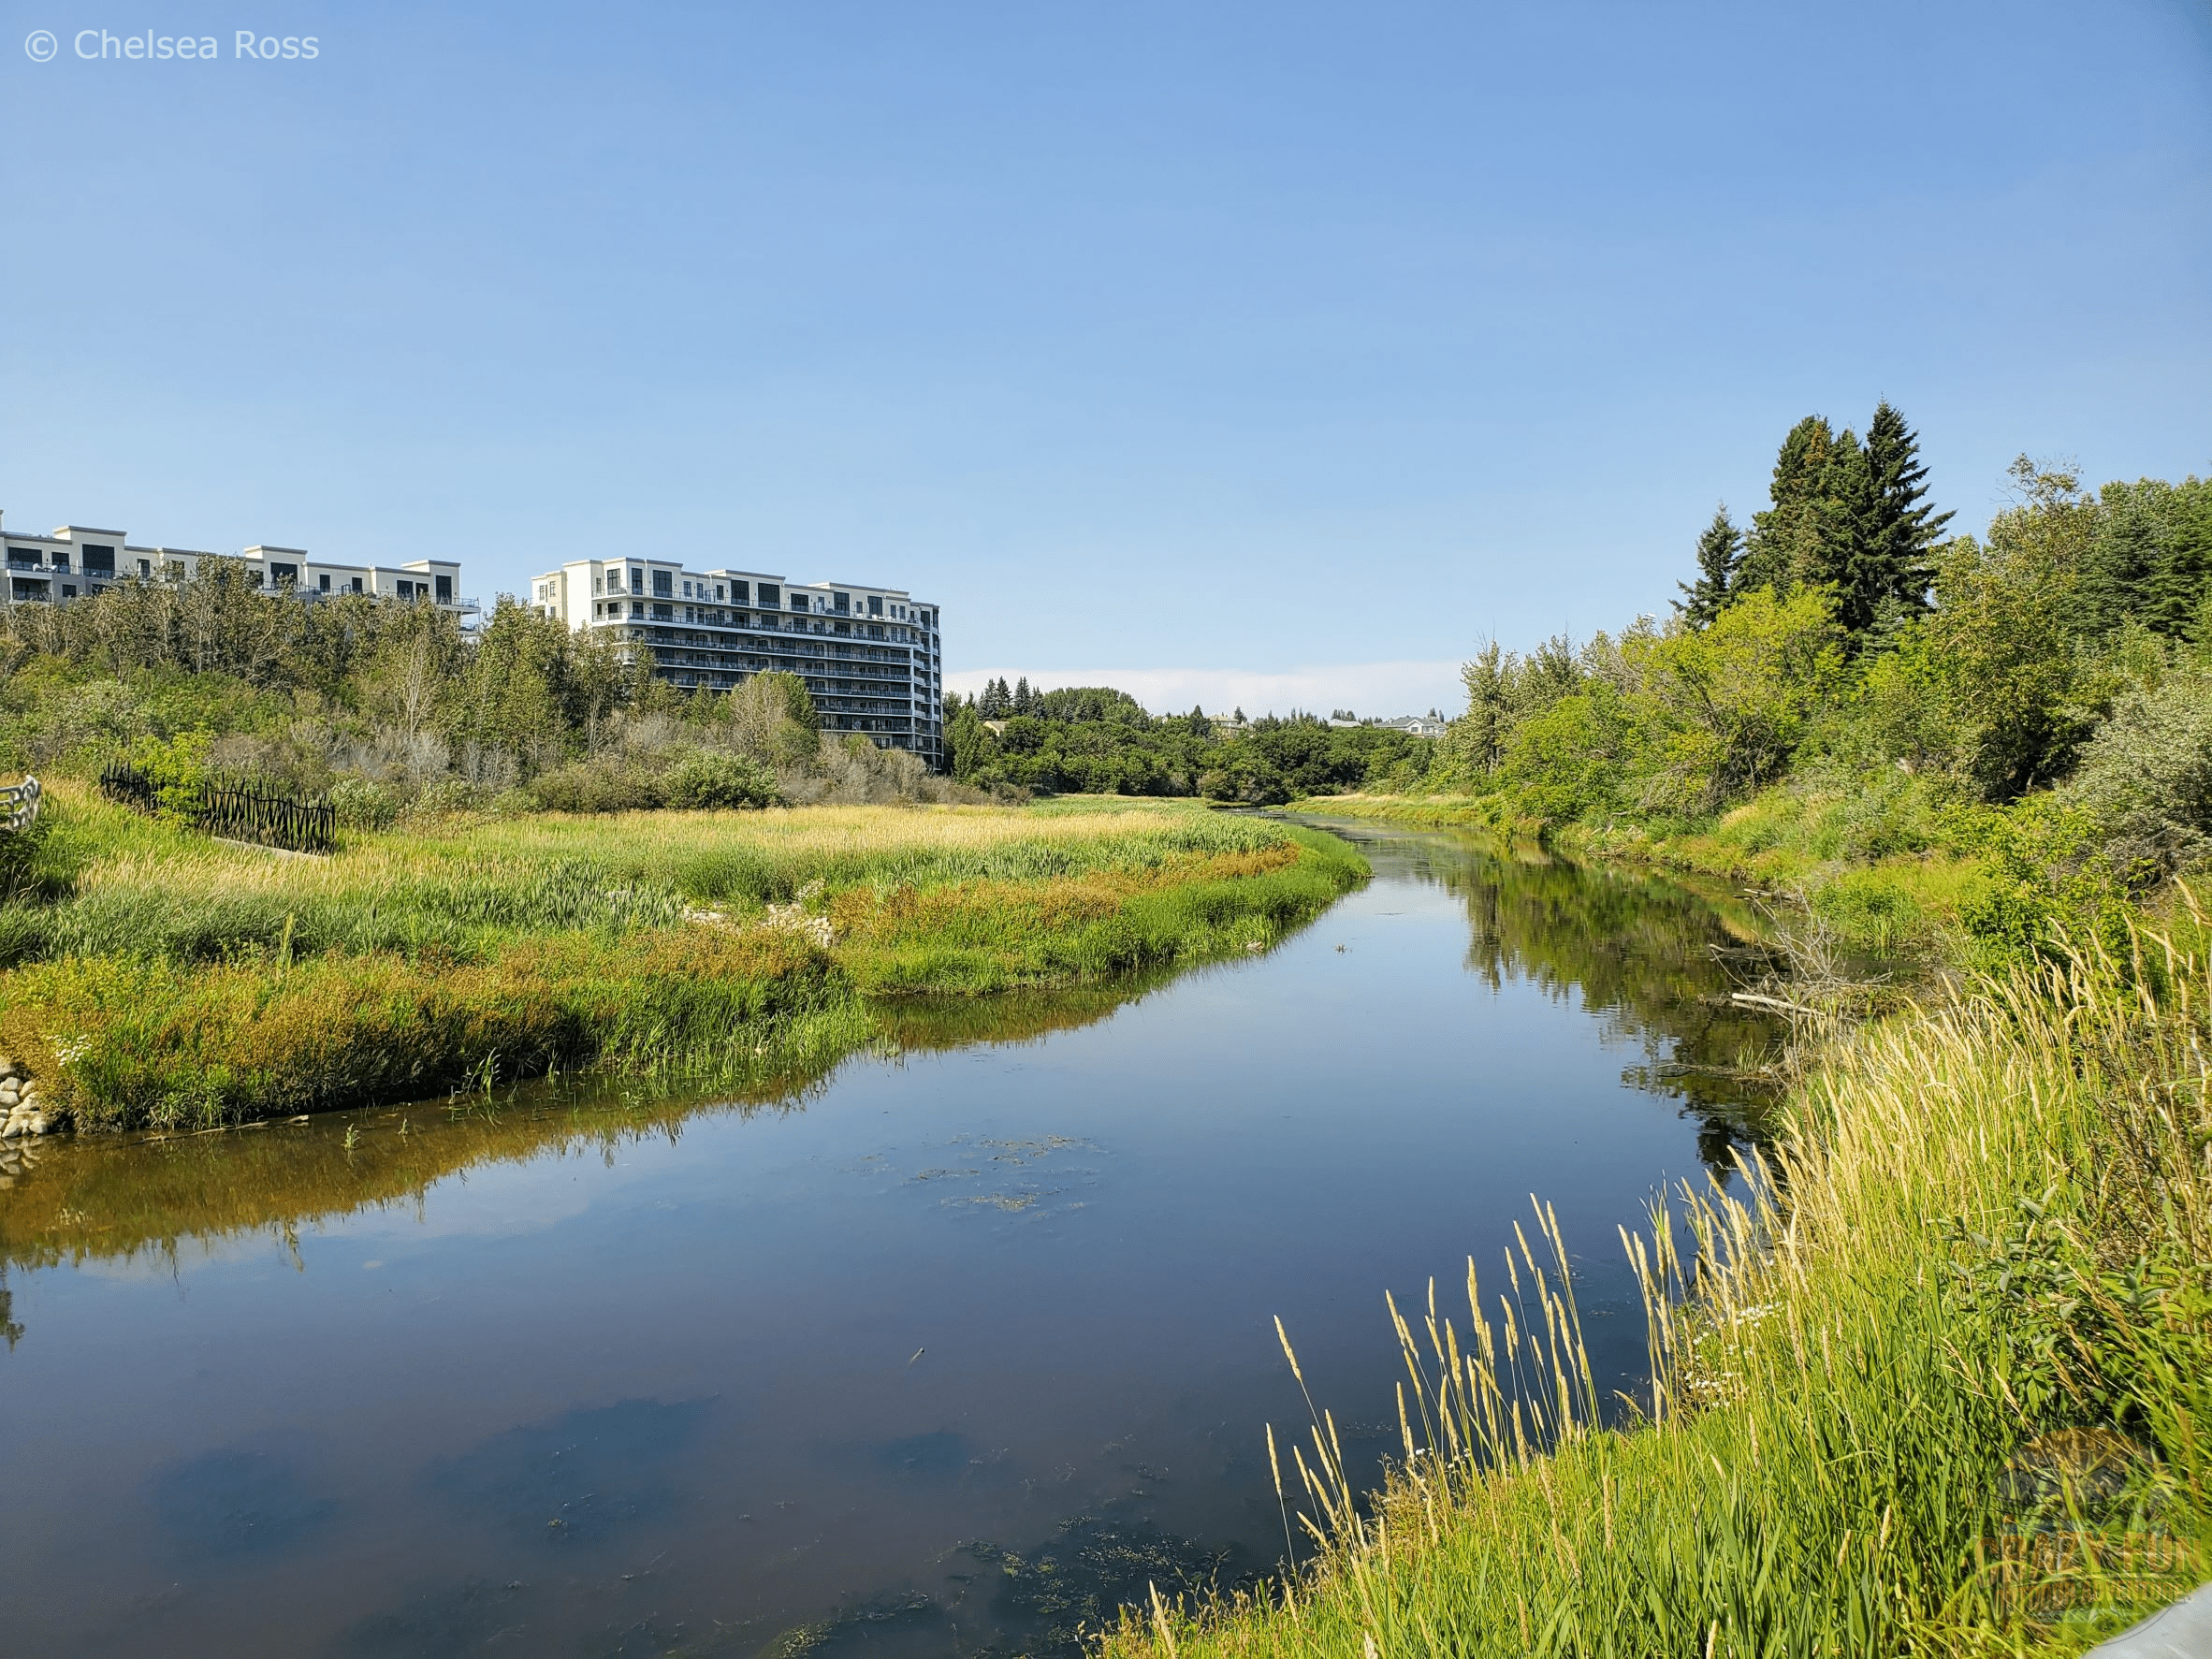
872 658
76 561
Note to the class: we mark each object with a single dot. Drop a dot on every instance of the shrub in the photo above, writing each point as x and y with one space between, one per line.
714 777
2146 780
362 805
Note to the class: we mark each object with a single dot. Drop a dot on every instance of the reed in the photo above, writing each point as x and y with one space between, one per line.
1936 1380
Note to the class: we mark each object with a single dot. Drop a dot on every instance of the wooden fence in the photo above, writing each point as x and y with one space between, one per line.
240 810
244 812
122 781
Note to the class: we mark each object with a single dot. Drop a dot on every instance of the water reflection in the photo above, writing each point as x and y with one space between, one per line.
122 1196
1654 956
953 1348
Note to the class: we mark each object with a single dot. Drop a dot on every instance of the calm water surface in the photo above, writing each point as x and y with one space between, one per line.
944 1353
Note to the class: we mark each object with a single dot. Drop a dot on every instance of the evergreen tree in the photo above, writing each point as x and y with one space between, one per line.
1719 549
1786 540
2151 562
1025 700
2181 587
1840 554
1902 528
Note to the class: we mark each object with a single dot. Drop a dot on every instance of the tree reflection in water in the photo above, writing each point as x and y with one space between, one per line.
1654 958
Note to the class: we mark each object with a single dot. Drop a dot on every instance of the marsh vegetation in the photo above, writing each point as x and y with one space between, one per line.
154 978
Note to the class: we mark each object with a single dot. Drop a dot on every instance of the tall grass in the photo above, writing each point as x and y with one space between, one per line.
1939 1381
153 978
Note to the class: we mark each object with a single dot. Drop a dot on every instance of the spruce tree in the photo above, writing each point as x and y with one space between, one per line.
2174 585
1902 527
1785 541
1719 549
1025 700
1841 554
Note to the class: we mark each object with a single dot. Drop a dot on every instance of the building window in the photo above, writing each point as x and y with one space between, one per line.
445 589
799 602
323 581
718 593
637 608
68 589
356 583
768 595
875 604
841 604
146 568
284 576
406 588
664 585
638 583
98 561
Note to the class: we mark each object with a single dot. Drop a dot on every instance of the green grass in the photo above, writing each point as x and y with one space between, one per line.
1942 1386
155 977
1884 869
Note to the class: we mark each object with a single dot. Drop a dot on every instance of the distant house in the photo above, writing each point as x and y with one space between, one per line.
1419 725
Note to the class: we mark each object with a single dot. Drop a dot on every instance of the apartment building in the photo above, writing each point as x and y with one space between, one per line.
78 560
872 657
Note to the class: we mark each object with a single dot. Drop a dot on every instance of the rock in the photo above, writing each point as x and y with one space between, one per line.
35 1124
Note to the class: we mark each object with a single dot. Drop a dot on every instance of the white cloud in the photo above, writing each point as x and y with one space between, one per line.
1384 688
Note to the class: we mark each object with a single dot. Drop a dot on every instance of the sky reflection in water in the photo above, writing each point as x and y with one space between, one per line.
945 1352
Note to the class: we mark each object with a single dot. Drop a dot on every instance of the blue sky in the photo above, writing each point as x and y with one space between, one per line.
1266 353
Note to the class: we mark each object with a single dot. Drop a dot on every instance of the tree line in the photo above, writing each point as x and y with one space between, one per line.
1098 740
386 706
2057 666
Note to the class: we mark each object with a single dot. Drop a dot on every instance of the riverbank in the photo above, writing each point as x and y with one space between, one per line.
1870 870
156 979
1951 1398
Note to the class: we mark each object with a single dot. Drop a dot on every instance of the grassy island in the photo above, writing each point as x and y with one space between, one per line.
155 977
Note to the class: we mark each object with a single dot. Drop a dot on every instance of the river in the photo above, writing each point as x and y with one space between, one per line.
945 1352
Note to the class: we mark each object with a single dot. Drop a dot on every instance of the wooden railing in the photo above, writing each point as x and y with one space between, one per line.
240 810
18 805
